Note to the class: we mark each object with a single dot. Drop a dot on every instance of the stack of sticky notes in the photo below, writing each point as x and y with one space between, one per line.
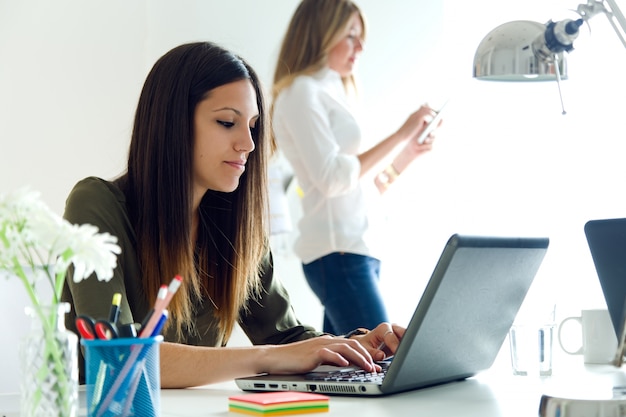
278 403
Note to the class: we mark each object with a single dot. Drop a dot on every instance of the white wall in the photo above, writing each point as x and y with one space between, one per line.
506 162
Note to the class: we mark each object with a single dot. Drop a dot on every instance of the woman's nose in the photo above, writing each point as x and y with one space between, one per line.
360 44
246 143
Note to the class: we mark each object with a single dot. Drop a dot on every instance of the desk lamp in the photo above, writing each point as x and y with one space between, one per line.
524 50
527 51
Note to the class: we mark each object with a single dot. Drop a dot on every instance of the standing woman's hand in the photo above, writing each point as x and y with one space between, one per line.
412 128
412 148
416 122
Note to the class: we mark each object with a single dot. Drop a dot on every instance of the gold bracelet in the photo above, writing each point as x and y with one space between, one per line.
392 172
387 176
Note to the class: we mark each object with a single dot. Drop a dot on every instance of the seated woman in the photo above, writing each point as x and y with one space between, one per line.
193 202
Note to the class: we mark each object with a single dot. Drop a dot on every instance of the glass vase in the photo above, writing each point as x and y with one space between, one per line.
49 364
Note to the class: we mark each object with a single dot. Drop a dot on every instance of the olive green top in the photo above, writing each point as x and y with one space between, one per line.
270 319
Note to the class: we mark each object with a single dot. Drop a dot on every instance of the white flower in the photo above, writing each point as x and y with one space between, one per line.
34 238
92 252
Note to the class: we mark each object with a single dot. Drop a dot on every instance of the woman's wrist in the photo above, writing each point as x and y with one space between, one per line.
404 159
386 177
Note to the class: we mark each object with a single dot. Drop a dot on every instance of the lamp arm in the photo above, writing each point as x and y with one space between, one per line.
615 14
612 12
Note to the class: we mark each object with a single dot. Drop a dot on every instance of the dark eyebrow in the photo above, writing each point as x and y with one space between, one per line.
234 110
237 112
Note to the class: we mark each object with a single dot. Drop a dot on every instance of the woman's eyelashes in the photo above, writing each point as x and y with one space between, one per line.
226 124
229 125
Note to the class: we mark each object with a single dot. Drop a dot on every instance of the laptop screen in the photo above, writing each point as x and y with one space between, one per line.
607 243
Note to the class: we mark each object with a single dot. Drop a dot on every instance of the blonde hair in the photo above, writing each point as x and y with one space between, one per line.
315 28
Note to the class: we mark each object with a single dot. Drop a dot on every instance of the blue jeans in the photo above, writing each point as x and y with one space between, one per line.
347 286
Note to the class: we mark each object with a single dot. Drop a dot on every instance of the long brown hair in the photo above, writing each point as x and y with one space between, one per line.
315 28
223 264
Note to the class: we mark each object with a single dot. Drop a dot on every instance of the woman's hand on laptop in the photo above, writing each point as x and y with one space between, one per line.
306 355
383 341
362 349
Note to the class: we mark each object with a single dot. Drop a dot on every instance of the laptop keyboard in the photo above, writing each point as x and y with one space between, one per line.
351 375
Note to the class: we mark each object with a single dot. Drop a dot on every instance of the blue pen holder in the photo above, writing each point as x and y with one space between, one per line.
123 377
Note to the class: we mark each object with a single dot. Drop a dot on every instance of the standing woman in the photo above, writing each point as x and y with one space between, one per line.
316 130
192 202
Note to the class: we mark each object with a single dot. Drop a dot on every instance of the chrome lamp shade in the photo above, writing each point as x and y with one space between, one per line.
513 52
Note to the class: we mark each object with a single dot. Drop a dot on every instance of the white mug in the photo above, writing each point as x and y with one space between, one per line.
599 342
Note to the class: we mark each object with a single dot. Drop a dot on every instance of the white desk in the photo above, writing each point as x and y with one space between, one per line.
492 393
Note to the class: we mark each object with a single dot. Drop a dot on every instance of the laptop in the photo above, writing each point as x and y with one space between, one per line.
457 329
607 242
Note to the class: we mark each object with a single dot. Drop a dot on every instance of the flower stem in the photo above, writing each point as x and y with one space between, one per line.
17 268
52 373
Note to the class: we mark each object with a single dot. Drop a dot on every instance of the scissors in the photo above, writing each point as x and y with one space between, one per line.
91 329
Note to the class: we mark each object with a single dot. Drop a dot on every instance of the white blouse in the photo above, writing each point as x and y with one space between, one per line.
320 137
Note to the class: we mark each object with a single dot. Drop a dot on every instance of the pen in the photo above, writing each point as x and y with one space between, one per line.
114 313
160 324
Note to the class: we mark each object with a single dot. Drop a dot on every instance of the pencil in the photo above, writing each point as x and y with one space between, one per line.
159 306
